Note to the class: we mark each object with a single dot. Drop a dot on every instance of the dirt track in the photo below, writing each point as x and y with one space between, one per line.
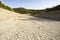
15 26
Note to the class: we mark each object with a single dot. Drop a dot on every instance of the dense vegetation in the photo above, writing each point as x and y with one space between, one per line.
26 11
4 6
22 10
34 12
53 9
29 11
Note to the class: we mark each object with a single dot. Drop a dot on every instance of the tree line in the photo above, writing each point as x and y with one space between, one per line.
29 11
34 12
4 6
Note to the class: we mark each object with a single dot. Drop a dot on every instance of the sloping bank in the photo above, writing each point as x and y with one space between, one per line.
52 15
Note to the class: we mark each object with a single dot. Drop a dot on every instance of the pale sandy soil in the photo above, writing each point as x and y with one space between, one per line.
15 26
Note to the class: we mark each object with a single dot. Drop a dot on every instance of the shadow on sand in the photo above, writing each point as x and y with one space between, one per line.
36 18
53 15
48 18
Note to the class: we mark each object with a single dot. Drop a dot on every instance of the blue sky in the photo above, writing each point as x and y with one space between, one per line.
31 4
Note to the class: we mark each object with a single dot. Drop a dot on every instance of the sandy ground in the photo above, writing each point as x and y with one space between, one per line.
15 26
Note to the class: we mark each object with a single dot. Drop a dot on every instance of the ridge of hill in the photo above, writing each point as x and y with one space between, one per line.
5 6
29 11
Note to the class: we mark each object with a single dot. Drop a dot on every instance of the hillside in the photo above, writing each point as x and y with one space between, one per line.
29 24
34 12
52 15
22 10
15 26
5 6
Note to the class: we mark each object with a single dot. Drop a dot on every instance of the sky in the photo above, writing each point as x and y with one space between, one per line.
31 4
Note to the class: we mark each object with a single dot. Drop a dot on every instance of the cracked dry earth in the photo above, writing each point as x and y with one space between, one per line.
15 26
